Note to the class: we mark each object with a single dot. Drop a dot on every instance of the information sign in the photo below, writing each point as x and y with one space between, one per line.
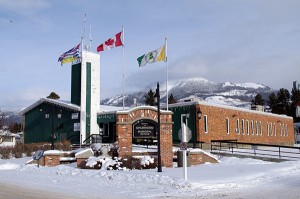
144 129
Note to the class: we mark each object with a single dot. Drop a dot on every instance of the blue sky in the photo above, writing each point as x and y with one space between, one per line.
220 40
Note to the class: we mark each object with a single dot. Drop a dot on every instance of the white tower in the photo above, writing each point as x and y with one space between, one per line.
86 93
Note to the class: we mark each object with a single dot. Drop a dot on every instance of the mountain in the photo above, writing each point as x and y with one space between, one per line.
227 93
9 117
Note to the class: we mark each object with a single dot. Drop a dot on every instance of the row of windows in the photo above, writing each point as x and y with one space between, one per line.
256 128
252 127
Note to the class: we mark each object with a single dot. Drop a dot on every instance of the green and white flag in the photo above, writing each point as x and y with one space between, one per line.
153 56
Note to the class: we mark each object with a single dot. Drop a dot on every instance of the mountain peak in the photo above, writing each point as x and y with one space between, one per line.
232 94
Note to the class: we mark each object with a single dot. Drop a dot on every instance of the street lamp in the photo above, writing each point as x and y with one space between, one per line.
198 117
157 101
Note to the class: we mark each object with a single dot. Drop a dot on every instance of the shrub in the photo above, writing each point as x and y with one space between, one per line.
139 163
28 149
17 150
5 152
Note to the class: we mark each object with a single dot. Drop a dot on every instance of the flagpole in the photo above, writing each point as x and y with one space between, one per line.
166 60
123 65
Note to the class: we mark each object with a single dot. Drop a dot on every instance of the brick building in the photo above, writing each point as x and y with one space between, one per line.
219 122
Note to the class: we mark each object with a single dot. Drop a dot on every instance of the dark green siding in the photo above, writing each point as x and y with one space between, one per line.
39 129
88 99
76 84
106 118
176 118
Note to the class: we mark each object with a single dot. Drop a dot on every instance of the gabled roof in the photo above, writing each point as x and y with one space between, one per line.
61 103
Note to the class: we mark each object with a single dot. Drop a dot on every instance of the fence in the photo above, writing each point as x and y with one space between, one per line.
255 149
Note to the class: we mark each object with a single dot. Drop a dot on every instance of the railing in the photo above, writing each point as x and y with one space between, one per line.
256 149
94 138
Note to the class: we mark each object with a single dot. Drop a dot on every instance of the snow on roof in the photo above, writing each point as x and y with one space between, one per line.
110 109
52 101
8 133
126 110
182 104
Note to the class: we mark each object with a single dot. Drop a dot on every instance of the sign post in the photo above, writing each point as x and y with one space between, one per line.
184 140
184 134
38 155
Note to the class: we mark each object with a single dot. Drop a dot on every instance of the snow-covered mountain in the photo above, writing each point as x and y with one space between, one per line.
227 93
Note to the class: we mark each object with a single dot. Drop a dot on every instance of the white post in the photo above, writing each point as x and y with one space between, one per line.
123 64
166 60
184 139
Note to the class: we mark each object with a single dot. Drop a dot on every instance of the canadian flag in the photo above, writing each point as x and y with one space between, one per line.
111 43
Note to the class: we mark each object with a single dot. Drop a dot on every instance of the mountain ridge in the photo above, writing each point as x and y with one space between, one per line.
227 93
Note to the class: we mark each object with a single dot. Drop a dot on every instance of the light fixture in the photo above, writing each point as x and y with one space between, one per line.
199 114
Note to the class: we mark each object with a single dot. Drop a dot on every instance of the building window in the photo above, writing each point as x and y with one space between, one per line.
268 129
252 127
286 129
243 126
260 128
256 125
281 130
205 124
227 125
248 127
274 126
7 139
271 129
238 126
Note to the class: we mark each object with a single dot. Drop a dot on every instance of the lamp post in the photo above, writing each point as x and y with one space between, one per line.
157 100
197 118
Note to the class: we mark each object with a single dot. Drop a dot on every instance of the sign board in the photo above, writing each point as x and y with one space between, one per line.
188 134
76 126
144 129
183 145
38 155
75 116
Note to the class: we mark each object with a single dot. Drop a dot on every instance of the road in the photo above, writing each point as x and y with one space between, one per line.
9 191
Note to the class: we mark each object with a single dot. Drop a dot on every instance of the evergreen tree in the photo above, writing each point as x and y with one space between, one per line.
295 98
149 98
53 95
272 102
171 99
258 100
283 101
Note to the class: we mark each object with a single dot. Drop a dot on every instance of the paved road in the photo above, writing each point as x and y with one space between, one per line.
8 191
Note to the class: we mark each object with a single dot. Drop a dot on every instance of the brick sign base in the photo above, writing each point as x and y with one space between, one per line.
125 120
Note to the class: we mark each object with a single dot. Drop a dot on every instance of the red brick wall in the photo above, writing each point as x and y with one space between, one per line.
52 160
201 158
125 119
217 125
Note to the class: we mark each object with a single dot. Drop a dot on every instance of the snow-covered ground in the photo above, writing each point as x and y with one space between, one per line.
231 178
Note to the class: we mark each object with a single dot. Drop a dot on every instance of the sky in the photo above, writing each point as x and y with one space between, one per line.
222 41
